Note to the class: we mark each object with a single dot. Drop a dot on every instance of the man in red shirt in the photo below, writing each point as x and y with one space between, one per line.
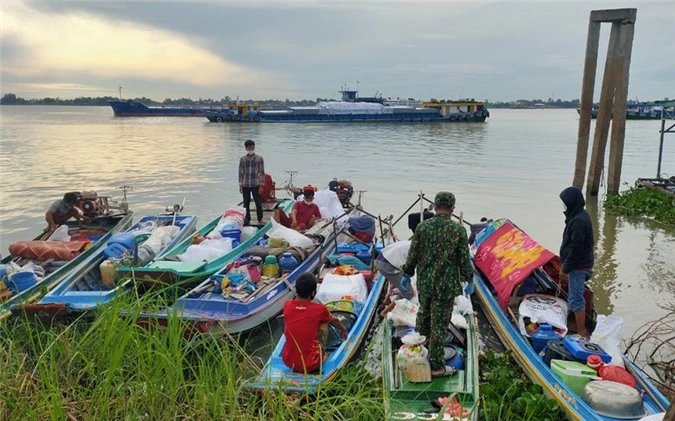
304 213
306 328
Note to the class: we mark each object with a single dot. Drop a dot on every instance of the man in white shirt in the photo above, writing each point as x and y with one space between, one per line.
390 263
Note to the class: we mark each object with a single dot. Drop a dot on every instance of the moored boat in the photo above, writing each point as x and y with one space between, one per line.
131 108
406 400
170 268
636 110
354 109
356 319
92 283
513 270
107 219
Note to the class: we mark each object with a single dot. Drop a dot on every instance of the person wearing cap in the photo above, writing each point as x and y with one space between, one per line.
304 213
440 253
306 328
251 180
576 253
62 210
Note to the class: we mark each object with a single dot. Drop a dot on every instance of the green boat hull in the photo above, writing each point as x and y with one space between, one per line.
171 270
412 401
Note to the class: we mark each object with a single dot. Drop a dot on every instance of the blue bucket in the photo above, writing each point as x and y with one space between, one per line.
21 281
124 238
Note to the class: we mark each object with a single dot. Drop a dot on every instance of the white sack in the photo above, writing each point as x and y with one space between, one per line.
607 334
60 234
294 238
206 251
334 287
542 308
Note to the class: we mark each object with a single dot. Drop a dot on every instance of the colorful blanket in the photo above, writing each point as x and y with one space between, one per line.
45 250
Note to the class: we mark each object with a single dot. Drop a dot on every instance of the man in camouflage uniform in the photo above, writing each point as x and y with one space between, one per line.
440 253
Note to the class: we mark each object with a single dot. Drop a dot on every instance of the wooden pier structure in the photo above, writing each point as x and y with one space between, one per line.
613 98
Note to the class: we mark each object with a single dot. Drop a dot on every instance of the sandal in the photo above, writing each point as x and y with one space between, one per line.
447 371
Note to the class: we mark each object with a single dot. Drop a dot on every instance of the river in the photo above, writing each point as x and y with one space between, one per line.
514 166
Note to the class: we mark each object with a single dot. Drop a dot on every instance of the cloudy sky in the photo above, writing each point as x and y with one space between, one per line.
308 49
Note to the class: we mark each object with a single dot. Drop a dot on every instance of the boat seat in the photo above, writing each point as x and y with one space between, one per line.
348 319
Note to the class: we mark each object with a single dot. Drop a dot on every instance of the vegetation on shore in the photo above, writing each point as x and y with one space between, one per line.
12 99
507 394
640 201
107 367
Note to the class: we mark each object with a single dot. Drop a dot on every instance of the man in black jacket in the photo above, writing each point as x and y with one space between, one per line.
576 253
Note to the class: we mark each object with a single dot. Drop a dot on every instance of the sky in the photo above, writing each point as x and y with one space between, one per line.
497 50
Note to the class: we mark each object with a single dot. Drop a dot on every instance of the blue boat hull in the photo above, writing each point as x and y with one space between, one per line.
83 290
536 369
136 109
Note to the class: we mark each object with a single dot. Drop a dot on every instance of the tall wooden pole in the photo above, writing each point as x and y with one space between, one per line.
604 114
586 106
625 49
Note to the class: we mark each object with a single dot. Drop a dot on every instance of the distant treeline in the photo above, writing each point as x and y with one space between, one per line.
12 99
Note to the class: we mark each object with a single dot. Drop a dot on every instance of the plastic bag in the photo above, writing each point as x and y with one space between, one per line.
607 334
233 216
404 313
294 238
540 308
60 234
459 321
248 232
161 237
462 305
336 287
207 250
412 348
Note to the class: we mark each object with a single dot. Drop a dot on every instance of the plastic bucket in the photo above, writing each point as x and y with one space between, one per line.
115 251
21 281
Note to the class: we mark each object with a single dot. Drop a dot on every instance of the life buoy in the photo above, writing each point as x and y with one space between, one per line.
256 118
247 118
237 117
453 117
467 117
219 119
485 113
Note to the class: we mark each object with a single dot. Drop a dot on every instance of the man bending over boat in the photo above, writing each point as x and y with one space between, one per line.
304 213
306 328
576 253
440 252
62 210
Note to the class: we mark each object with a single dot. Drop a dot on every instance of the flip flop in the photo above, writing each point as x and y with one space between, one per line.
448 371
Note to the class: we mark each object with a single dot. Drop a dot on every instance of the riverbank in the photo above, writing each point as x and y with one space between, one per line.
109 368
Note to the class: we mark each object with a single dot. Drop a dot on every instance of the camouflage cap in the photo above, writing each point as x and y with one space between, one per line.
445 198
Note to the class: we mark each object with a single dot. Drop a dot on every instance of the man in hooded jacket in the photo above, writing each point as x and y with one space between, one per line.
576 253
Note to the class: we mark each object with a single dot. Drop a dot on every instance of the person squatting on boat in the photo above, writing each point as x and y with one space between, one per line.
62 210
251 180
576 253
304 213
390 263
439 251
306 327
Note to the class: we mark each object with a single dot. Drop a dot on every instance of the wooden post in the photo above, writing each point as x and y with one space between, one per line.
586 106
613 96
604 114
625 48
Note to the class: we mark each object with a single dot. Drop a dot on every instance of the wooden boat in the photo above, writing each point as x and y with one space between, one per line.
208 310
85 288
520 258
405 400
169 269
106 220
276 375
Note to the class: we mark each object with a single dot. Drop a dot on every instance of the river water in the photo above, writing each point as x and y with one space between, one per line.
514 166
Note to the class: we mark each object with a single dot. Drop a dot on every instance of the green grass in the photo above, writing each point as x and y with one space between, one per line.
107 367
110 368
638 201
507 394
